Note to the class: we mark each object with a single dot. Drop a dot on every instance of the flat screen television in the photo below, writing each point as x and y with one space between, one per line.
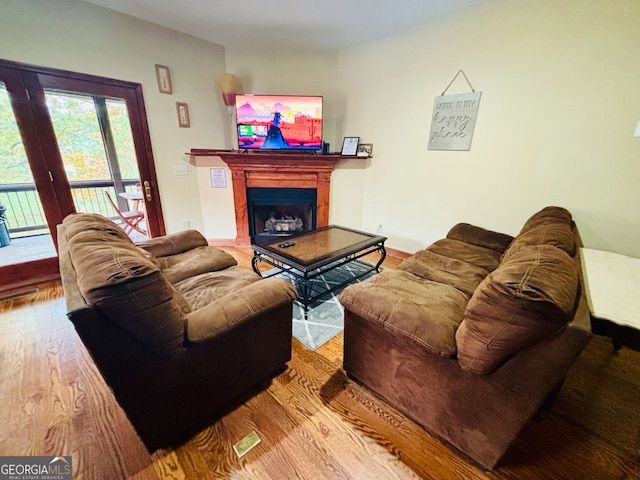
279 122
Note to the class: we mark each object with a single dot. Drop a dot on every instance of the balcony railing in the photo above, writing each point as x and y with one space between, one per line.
24 213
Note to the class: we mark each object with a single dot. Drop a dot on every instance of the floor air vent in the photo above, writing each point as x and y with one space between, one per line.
13 296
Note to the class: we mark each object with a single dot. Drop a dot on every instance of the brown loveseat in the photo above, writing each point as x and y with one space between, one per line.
473 335
176 328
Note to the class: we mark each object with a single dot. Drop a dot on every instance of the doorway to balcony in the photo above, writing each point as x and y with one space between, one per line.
68 143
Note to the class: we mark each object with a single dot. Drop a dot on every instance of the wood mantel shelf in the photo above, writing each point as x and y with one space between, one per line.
241 157
272 170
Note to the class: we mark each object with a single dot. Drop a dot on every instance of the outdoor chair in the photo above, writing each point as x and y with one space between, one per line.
130 220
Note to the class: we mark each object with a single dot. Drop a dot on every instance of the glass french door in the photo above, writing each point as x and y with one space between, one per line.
94 138
68 143
20 206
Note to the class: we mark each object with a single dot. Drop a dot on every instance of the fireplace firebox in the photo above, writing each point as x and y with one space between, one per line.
280 212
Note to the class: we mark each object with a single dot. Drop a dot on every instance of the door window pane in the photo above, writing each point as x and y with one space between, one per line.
96 144
15 168
75 122
123 138
78 134
26 236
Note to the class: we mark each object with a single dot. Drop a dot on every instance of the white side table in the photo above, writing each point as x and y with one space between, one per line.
612 283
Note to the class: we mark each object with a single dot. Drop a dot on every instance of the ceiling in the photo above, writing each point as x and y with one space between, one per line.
288 24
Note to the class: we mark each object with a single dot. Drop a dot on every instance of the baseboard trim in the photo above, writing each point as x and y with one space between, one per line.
392 252
231 242
222 242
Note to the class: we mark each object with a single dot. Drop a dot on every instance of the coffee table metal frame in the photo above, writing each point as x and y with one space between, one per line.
305 272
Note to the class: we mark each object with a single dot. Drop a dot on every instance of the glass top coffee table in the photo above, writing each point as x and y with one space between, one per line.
306 257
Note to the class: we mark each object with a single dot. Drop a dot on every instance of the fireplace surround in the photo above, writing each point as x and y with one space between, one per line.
274 171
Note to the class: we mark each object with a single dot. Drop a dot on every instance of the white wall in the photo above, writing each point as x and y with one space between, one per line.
560 90
80 37
560 85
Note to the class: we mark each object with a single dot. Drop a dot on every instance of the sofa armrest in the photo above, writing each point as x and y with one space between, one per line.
237 307
174 243
481 237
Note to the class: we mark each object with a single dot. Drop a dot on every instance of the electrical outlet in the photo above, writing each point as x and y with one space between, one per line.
379 229
186 225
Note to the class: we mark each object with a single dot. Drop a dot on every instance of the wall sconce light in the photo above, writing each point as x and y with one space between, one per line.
229 86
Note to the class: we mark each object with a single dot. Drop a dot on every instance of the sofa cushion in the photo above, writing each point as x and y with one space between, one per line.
531 296
240 305
438 268
208 287
481 237
174 243
427 312
480 256
82 222
194 262
548 215
102 261
549 226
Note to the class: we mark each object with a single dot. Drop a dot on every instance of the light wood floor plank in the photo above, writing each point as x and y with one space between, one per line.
314 422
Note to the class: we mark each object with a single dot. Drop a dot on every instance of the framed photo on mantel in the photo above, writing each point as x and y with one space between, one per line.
350 146
365 150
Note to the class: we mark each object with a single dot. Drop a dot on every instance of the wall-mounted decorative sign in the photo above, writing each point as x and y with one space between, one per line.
164 79
454 119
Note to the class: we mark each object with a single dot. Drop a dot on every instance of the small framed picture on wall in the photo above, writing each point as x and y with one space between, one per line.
164 79
183 115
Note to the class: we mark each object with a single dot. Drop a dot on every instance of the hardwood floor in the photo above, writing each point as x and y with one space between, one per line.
314 423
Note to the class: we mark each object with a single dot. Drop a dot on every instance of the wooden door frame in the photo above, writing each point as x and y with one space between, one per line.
29 273
27 94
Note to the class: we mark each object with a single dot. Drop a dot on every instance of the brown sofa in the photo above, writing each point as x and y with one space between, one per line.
176 328
473 335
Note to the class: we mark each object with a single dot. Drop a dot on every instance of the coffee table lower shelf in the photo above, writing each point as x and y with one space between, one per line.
318 283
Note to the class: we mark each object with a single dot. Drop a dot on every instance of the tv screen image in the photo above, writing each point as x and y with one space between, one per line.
279 121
